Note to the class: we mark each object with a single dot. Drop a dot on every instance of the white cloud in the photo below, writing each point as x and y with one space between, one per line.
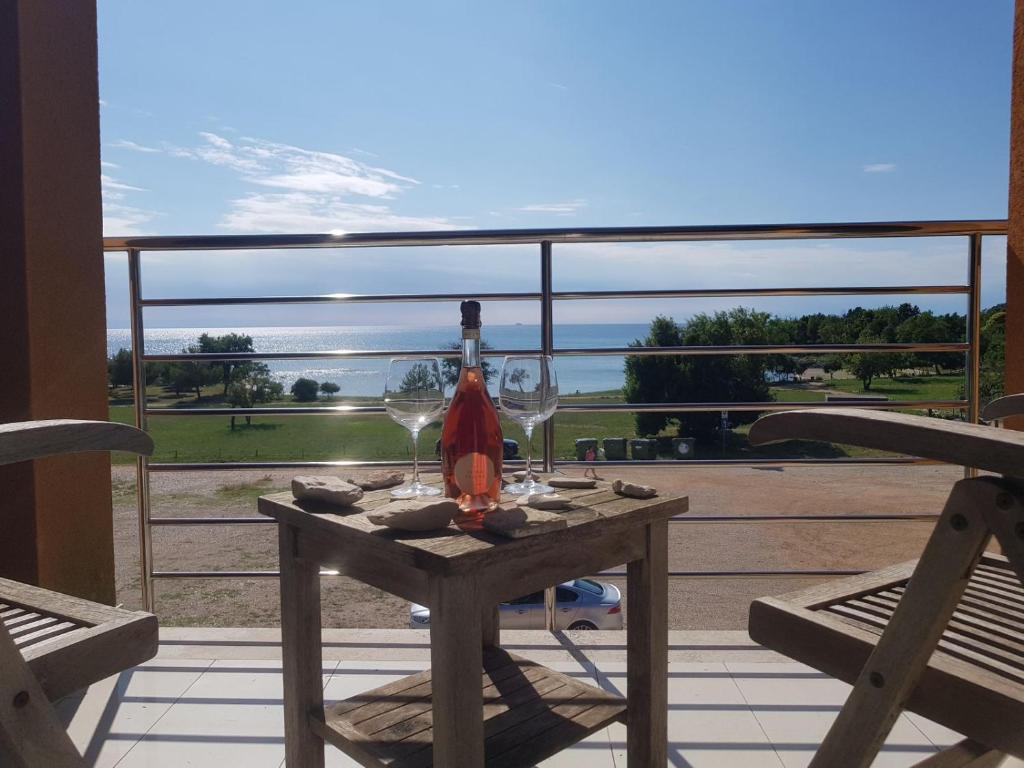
114 189
107 164
879 167
311 190
120 220
569 207
134 147
559 86
306 212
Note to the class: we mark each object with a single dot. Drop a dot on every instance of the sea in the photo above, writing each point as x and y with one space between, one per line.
365 377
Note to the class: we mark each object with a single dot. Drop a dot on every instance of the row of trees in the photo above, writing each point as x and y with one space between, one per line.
246 383
735 378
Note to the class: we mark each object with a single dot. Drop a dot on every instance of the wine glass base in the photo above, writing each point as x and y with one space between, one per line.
528 488
414 490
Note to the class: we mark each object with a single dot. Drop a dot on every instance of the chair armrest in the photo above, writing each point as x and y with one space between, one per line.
1002 407
26 440
972 445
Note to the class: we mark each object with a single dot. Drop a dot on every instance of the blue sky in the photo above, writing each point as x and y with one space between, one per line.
252 117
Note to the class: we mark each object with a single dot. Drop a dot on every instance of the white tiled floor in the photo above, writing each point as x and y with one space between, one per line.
226 711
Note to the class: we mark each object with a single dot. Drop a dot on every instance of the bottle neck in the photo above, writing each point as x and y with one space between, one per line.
471 348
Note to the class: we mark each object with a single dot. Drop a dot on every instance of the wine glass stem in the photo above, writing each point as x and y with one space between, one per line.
529 450
415 457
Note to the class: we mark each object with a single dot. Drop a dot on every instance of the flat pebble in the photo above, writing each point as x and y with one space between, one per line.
332 490
633 490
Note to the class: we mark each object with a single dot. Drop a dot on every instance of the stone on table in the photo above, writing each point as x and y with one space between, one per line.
518 522
543 501
374 481
634 490
332 490
571 482
415 514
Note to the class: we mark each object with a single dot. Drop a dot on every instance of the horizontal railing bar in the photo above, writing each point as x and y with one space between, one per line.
746 574
336 410
347 464
336 354
703 293
337 298
173 521
752 463
362 410
371 298
692 350
839 518
564 235
757 406
284 465
704 519
608 574
761 349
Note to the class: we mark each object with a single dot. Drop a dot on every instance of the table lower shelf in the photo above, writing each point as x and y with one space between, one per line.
530 713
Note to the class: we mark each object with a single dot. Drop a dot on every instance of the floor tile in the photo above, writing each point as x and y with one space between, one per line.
232 715
709 724
108 718
796 705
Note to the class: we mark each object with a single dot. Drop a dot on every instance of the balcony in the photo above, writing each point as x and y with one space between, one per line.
212 697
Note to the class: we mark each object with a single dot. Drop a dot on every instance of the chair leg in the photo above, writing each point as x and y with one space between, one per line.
31 735
1006 520
964 754
906 645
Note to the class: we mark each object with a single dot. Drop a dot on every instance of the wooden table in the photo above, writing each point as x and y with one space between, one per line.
477 703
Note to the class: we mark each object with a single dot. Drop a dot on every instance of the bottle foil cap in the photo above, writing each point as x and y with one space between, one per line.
470 314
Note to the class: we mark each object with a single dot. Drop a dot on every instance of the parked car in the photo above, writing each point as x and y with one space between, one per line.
579 604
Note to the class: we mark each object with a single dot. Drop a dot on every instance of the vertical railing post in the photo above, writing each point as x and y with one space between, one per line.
547 342
547 345
973 362
139 395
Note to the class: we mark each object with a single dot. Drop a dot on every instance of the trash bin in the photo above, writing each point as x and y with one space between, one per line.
643 449
510 449
583 445
684 448
614 448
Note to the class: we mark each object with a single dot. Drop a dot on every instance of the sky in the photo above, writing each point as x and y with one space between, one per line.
267 117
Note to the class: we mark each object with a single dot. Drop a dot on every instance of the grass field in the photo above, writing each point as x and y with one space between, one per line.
373 437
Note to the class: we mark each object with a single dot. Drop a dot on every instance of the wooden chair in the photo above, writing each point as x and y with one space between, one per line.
52 644
942 636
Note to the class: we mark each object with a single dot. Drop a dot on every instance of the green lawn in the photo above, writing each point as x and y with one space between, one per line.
376 437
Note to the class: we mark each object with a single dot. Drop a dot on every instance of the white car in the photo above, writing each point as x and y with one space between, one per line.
579 604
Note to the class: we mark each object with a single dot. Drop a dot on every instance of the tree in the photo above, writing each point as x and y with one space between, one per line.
866 366
330 389
252 386
304 390
699 378
830 364
230 342
119 368
189 375
654 379
452 366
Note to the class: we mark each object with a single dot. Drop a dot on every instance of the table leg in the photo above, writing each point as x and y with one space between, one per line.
491 626
301 651
456 661
647 651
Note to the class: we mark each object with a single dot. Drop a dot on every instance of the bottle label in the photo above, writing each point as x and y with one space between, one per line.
471 333
474 473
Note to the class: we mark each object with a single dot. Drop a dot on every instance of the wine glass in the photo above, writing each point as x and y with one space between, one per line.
414 397
528 395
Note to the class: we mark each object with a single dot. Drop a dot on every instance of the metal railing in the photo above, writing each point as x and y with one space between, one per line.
545 239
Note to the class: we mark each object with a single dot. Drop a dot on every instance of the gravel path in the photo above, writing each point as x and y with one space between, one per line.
694 603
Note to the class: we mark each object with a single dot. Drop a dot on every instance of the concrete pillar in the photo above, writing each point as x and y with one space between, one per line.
56 527
1015 241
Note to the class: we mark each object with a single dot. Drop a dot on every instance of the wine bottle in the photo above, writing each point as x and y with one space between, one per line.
471 441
